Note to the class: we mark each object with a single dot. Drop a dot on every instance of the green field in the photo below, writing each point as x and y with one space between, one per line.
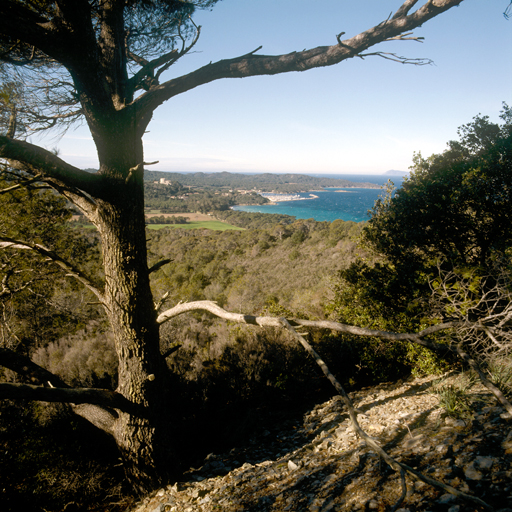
216 225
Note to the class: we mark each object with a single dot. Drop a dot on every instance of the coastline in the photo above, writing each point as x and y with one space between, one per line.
327 205
277 198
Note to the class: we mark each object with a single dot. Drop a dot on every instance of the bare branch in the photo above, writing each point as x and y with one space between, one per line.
161 301
397 466
159 265
485 381
103 397
71 270
139 168
405 37
267 321
404 9
212 307
396 58
54 170
255 65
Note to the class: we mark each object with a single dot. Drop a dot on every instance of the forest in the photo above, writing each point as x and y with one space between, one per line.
265 182
129 355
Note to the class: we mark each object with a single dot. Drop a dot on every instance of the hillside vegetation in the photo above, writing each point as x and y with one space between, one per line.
435 259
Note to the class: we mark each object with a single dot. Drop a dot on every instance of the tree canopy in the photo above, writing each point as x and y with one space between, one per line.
455 205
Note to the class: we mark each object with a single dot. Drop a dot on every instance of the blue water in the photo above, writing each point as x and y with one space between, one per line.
348 204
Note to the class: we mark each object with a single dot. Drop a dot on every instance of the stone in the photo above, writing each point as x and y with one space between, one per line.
320 464
292 466
507 444
484 463
453 422
472 473
446 498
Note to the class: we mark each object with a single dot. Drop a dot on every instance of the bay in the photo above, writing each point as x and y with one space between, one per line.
348 204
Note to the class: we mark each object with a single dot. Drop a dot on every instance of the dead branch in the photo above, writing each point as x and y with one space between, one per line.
404 9
405 37
71 270
257 65
397 466
102 397
404 490
267 321
139 168
397 58
162 299
485 381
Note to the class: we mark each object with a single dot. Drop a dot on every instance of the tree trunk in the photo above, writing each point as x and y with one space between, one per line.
145 439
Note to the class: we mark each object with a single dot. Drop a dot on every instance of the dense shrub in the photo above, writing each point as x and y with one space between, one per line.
84 359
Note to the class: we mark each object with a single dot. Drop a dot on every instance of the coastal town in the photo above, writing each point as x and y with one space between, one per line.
278 198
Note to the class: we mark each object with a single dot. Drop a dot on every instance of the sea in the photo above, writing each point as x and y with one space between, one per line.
349 204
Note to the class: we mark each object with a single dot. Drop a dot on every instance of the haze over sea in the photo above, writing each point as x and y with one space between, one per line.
350 204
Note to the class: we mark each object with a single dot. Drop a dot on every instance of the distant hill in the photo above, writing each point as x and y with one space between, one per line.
393 172
264 182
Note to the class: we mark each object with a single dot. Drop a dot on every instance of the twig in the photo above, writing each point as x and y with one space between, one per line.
404 490
485 381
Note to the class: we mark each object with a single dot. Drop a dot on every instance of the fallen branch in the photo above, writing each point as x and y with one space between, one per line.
213 308
485 381
268 321
397 466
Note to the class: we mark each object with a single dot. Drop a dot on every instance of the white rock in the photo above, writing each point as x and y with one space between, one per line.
292 466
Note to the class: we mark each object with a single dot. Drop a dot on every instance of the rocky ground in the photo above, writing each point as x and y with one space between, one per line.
318 464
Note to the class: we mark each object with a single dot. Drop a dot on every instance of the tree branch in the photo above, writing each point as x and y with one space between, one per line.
404 9
397 58
27 368
101 417
103 397
49 166
485 381
71 270
159 265
267 321
254 65
21 184
397 466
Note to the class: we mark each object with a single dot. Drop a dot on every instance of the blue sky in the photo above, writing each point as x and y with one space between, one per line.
361 116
